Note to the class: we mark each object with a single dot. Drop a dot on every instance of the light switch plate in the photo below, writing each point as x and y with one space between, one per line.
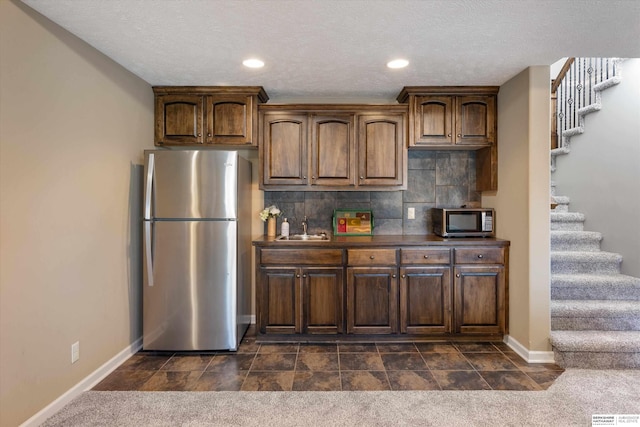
411 213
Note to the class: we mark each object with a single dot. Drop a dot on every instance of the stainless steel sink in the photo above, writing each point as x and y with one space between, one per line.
303 238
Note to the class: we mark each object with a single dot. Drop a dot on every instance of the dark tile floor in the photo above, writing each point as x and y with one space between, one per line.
334 367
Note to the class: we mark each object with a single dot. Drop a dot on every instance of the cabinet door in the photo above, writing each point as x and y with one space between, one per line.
284 149
322 294
475 120
179 119
425 300
372 300
333 150
381 150
433 118
279 301
479 299
229 120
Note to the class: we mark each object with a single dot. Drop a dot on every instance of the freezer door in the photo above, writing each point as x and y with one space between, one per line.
192 184
191 302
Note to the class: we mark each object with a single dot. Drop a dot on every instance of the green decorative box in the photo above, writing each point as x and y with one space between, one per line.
352 222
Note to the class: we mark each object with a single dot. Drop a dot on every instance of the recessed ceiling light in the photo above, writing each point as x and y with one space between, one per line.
253 63
398 63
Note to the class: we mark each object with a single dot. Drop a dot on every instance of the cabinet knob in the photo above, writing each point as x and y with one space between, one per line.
404 276
199 134
394 276
459 135
297 276
209 135
480 256
449 135
426 257
313 177
361 177
371 257
304 176
304 276
458 275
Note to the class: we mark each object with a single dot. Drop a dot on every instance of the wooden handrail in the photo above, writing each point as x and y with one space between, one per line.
561 74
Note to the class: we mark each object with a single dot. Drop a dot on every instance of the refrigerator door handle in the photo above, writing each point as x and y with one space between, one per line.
149 187
148 253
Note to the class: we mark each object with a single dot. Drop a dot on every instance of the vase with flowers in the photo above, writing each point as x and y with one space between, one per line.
269 214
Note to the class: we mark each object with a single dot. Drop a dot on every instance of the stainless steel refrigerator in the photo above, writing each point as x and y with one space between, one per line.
197 250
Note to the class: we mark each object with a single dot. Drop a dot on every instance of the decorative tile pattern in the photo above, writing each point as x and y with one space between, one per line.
434 179
335 367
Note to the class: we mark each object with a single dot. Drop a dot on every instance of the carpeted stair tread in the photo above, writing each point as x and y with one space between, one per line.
566 217
595 286
594 308
567 221
566 240
596 341
561 199
585 262
562 203
605 315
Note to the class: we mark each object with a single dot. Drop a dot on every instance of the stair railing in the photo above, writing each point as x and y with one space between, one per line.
573 90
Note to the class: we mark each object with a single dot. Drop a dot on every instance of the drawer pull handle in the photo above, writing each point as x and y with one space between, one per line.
426 257
372 257
480 256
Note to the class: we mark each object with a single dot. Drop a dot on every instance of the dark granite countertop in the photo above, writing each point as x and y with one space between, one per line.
382 240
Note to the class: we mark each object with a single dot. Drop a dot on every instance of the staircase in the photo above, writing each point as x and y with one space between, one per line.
595 310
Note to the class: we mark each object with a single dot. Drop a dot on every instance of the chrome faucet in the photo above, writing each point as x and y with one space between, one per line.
304 225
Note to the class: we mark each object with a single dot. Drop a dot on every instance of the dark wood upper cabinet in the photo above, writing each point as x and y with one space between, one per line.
381 152
179 119
333 147
194 115
432 123
475 120
283 149
445 121
456 117
333 150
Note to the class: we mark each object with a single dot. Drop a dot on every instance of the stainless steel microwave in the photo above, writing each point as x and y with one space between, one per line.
464 222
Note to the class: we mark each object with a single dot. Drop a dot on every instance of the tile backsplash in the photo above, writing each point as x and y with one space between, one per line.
435 179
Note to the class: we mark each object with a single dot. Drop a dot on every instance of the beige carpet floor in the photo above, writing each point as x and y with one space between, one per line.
570 401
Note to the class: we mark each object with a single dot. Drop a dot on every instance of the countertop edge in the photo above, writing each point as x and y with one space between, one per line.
384 240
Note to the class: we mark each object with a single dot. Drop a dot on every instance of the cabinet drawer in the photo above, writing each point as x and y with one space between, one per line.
301 256
425 256
479 256
371 256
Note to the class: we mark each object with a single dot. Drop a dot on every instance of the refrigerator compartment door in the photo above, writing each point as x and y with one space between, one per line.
194 184
192 304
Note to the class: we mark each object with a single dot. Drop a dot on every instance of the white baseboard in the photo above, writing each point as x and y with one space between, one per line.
528 355
86 384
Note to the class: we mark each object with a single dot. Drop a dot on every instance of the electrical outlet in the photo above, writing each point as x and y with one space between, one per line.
411 213
75 351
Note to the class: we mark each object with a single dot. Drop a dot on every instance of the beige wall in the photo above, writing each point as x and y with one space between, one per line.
522 202
73 125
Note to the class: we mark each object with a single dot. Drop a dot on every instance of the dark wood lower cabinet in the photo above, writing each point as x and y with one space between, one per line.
372 300
480 299
279 301
301 300
425 300
322 294
355 294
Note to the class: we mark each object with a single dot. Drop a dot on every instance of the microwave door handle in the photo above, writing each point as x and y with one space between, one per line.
148 253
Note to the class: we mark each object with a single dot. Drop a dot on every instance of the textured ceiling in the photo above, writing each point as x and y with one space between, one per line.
336 50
